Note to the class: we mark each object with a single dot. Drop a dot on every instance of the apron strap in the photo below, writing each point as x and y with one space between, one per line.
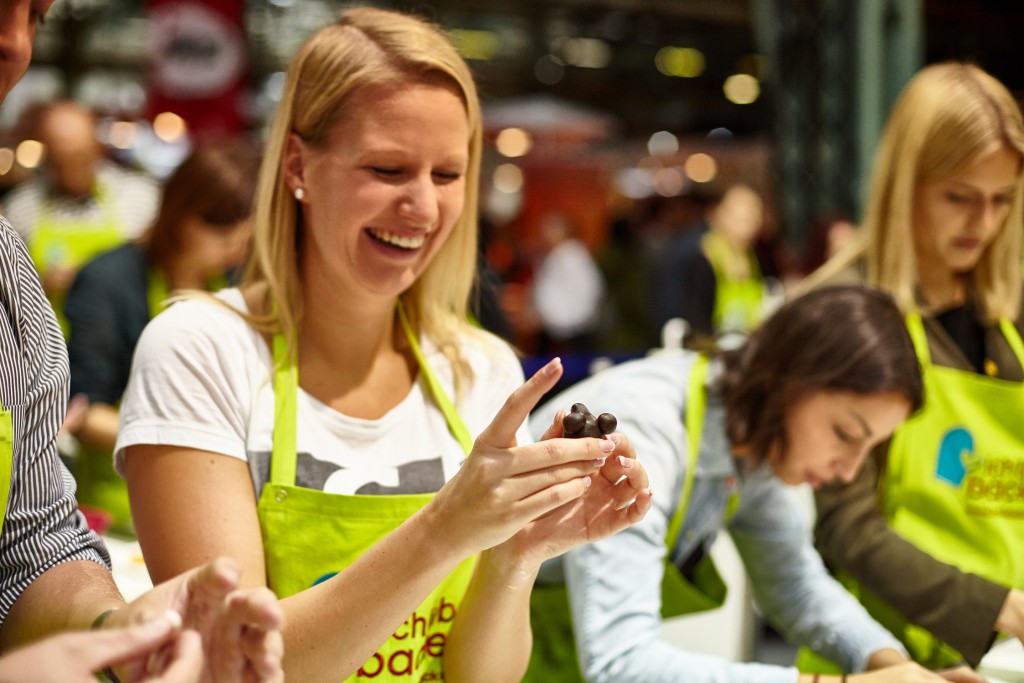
156 292
451 415
286 389
917 335
696 403
6 461
1009 331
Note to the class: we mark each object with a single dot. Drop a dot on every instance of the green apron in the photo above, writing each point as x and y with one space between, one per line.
308 535
738 301
955 484
71 244
553 659
6 461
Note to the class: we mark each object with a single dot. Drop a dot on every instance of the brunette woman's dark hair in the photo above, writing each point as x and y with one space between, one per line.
216 183
846 338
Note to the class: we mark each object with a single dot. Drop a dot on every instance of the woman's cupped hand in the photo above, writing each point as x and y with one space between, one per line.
545 498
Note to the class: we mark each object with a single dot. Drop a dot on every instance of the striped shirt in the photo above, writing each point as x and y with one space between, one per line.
42 526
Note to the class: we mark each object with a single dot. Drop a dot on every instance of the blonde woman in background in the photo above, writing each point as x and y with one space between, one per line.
931 534
314 424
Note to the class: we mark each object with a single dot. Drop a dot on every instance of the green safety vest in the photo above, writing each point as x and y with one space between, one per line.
308 536
554 654
739 302
954 485
70 244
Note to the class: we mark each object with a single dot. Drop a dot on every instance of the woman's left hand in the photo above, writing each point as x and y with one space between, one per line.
617 498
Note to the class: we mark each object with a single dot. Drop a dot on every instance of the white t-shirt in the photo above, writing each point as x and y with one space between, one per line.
202 378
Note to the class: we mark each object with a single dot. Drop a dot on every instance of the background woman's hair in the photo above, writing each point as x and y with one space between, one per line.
216 184
847 338
948 116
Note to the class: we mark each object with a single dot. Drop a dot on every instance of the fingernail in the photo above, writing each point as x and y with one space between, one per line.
586 482
607 446
174 618
598 462
553 365
615 438
625 463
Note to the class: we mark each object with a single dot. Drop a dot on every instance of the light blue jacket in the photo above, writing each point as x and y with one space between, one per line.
614 584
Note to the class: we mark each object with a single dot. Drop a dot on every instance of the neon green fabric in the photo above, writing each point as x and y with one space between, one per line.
955 483
738 301
70 244
6 461
554 652
308 536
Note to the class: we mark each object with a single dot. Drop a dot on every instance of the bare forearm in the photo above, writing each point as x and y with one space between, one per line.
99 427
1011 616
67 597
491 639
333 628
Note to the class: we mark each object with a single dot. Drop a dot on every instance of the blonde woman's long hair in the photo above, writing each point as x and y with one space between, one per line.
948 116
363 47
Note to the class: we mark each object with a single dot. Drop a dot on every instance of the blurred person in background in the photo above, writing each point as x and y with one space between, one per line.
930 534
567 290
54 572
726 436
199 238
81 204
724 290
830 234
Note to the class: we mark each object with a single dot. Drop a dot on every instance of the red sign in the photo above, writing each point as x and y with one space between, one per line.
198 61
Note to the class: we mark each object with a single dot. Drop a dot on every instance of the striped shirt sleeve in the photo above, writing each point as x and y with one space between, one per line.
42 526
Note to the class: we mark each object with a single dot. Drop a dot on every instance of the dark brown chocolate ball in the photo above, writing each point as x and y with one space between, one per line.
580 422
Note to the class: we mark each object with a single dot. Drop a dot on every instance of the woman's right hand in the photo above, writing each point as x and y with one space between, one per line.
502 486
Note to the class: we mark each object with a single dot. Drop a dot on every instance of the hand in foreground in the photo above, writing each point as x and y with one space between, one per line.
502 487
912 672
240 629
78 657
962 674
617 498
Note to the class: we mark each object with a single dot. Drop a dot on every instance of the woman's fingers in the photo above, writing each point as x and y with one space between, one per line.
632 474
186 660
552 497
108 647
542 455
555 429
501 433
525 485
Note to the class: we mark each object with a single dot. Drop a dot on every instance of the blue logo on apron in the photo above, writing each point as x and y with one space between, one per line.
951 467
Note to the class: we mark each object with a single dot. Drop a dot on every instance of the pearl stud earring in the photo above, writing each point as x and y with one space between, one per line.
300 194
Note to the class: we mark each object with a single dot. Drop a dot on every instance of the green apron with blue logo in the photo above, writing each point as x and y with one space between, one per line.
954 486
553 659
308 535
739 301
72 243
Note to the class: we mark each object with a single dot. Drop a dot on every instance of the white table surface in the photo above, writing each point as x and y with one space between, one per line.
1004 663
128 567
